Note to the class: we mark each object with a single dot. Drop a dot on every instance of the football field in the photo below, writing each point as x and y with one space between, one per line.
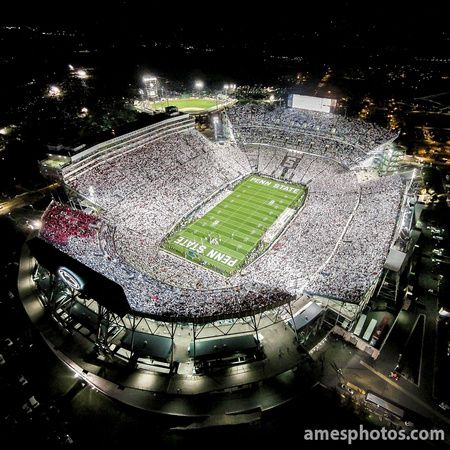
223 238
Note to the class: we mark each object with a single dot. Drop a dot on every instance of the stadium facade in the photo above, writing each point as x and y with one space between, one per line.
100 270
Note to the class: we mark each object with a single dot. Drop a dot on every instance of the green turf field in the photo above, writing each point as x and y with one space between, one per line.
224 236
187 103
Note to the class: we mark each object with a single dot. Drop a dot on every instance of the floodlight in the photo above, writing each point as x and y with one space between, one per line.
54 91
82 74
199 84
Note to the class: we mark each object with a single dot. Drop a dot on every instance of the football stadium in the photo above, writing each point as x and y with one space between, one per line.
202 261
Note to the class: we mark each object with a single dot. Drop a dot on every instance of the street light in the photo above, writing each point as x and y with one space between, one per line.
81 74
54 91
440 276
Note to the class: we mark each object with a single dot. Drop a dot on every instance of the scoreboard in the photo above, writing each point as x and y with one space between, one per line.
309 103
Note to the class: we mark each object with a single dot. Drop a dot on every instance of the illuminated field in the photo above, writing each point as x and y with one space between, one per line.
187 103
224 237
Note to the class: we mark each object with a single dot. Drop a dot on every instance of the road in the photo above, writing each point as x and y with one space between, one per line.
344 363
27 198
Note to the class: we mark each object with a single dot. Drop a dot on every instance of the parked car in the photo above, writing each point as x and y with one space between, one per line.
33 402
26 408
67 439
346 388
22 380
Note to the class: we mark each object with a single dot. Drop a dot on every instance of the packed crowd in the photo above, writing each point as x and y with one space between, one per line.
166 180
335 246
342 152
348 217
364 135
118 147
360 256
184 166
157 299
61 222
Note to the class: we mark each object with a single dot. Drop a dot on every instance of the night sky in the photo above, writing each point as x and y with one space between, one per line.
320 25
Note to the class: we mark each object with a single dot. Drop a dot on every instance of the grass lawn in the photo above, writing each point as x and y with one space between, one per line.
225 235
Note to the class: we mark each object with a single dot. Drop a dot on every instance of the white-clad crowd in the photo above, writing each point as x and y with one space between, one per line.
364 135
335 246
360 256
153 297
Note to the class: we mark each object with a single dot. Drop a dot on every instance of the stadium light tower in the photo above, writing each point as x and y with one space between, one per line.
199 85
150 87
229 88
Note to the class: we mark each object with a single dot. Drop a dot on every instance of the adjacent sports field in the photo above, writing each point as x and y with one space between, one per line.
187 103
223 238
